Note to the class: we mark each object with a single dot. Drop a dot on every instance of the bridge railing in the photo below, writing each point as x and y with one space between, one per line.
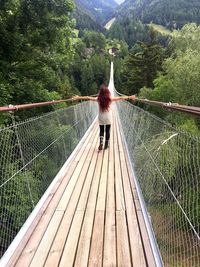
166 162
32 153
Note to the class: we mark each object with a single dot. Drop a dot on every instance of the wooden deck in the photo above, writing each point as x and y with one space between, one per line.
92 217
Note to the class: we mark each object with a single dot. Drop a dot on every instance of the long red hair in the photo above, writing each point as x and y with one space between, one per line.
104 98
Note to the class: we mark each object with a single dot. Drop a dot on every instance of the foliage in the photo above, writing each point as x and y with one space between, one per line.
35 50
85 21
99 10
169 13
129 30
141 67
180 81
94 40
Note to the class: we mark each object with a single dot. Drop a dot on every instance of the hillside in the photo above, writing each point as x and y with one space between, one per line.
84 20
169 13
99 10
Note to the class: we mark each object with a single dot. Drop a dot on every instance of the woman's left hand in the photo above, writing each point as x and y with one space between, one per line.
132 97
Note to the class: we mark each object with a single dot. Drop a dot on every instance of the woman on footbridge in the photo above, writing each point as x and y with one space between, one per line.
104 100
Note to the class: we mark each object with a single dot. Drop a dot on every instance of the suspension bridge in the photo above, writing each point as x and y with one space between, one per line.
63 203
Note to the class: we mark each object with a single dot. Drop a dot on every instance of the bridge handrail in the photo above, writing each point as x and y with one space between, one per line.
169 106
32 105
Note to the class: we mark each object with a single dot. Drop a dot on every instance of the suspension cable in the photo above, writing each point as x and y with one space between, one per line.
32 105
169 106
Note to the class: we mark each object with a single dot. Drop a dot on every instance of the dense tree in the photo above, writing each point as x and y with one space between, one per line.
85 21
35 50
169 13
129 30
180 82
94 40
141 67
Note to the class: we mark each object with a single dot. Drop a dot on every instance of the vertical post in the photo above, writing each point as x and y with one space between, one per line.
59 125
22 158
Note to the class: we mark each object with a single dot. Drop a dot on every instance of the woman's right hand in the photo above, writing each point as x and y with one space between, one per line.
75 97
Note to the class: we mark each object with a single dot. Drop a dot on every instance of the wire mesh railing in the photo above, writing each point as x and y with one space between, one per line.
166 162
32 153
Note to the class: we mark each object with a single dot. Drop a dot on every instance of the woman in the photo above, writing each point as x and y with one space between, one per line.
104 100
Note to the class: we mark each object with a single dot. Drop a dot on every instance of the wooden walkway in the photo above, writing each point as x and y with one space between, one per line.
92 217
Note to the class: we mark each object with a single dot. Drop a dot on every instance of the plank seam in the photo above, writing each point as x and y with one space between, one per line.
122 181
127 224
78 178
86 203
95 211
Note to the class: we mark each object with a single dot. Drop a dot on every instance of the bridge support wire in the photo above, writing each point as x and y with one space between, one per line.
166 163
32 153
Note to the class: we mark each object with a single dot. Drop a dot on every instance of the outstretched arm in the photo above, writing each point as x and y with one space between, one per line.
76 97
131 97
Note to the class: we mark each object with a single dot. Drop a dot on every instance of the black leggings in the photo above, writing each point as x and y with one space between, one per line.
102 128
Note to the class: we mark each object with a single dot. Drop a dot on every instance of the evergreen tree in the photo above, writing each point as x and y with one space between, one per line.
35 50
141 67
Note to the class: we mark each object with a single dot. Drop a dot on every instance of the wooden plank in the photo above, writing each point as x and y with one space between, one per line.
144 235
96 251
69 252
146 242
89 179
101 200
59 242
110 201
40 256
34 241
123 252
82 254
110 247
137 253
120 205
68 255
46 241
67 194
109 255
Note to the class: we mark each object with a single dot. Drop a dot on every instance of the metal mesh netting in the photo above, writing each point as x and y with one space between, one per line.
32 153
166 162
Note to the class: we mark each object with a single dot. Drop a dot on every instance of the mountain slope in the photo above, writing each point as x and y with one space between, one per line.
169 13
84 20
98 10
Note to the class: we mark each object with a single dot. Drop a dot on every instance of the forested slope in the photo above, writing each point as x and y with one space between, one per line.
169 13
99 10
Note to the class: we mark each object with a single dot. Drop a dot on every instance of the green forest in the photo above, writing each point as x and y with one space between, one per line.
51 50
41 56
172 14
